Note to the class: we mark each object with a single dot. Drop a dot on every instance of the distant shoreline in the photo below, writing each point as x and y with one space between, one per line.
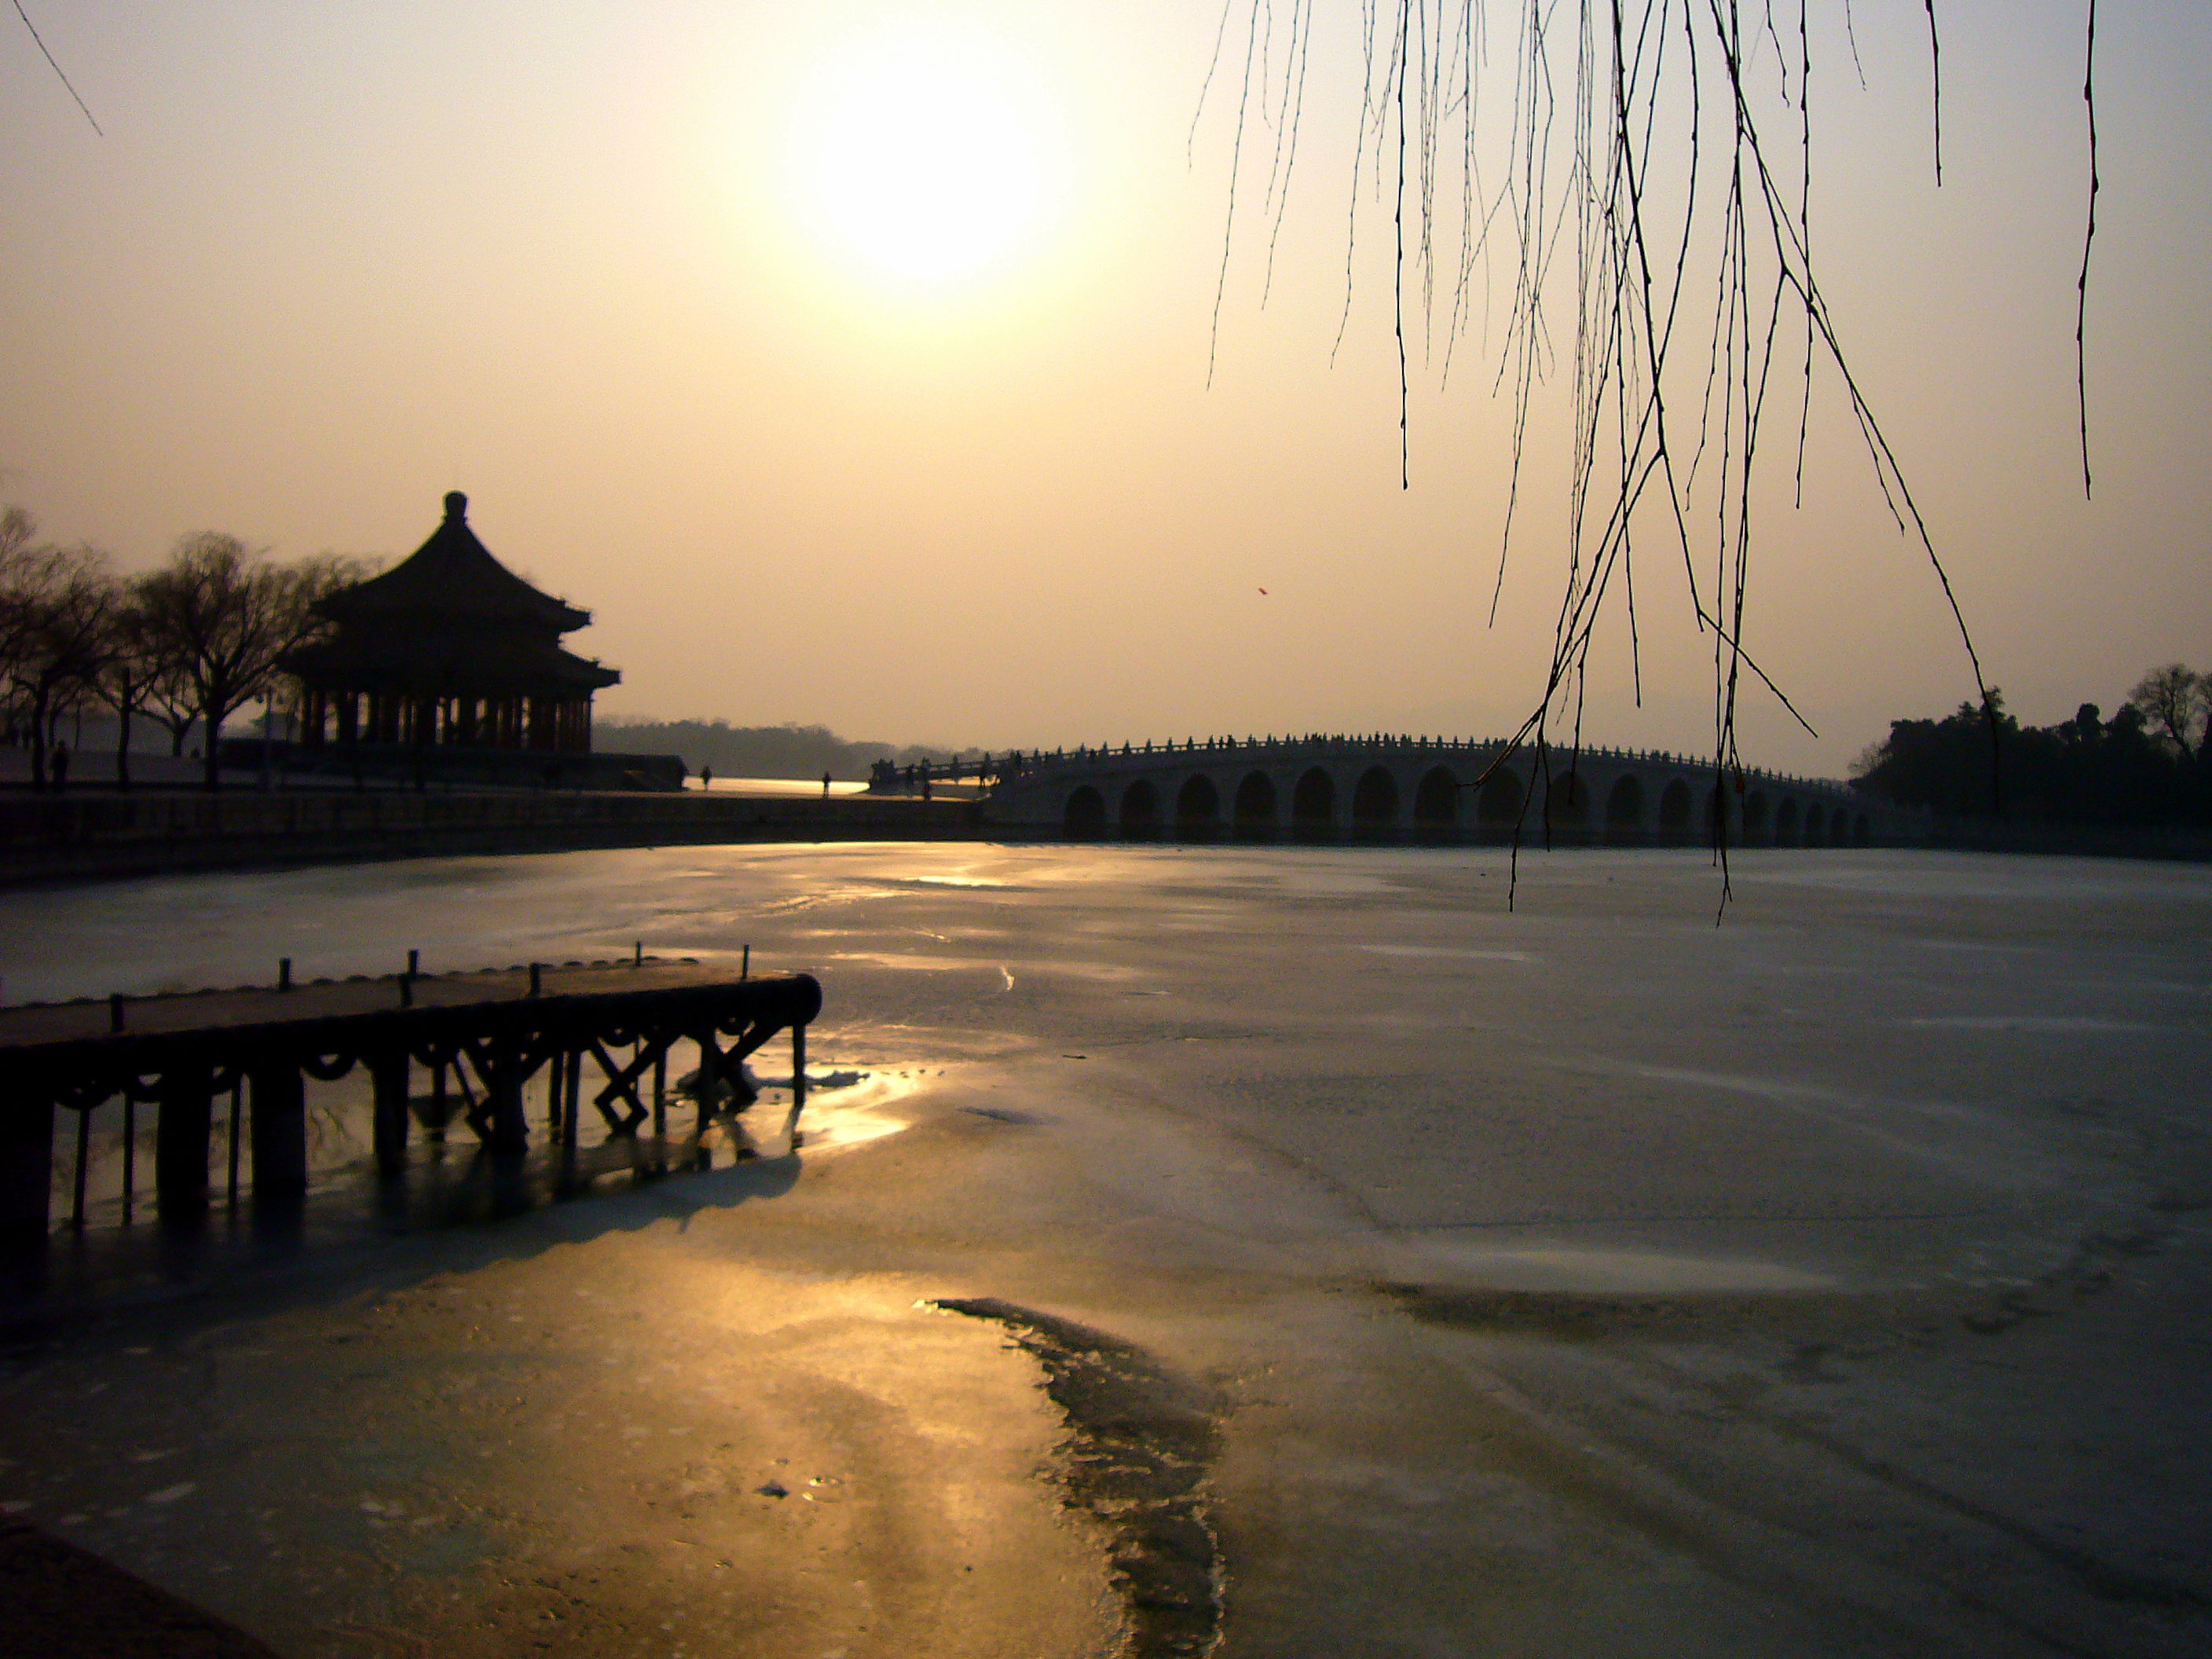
96 835
107 834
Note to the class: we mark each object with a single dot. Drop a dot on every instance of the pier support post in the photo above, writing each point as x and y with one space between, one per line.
510 1121
798 1068
27 1168
439 1111
572 1099
180 1144
388 1080
710 1081
279 1127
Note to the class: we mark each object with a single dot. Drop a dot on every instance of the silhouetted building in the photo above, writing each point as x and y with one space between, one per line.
450 648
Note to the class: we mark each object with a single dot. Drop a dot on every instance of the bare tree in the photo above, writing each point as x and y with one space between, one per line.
2173 700
222 615
171 702
17 531
55 607
130 669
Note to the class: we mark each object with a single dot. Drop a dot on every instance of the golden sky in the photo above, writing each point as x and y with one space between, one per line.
850 361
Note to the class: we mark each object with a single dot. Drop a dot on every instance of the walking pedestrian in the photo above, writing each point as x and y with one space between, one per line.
58 764
825 786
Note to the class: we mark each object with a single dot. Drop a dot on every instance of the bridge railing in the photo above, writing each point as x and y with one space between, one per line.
987 772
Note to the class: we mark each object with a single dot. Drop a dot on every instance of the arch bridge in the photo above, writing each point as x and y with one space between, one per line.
1388 788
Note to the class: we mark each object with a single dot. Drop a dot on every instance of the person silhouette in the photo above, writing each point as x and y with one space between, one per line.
58 764
706 777
825 786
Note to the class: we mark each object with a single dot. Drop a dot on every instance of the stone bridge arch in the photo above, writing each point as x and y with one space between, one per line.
1566 801
1624 806
1255 806
1198 808
1499 802
1436 799
1754 818
1140 810
1313 802
1375 799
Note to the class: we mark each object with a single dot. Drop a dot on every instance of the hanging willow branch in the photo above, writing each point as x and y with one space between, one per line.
39 40
1627 140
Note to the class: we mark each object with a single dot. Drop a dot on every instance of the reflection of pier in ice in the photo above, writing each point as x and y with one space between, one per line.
486 1053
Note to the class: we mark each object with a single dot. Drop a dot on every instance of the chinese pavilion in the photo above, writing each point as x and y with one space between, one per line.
448 648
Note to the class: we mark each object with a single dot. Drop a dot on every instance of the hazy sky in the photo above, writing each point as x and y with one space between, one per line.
651 282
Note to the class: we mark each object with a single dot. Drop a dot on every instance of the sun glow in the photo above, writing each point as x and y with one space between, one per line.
926 156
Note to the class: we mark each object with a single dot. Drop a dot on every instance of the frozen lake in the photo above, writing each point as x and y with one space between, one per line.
1833 1279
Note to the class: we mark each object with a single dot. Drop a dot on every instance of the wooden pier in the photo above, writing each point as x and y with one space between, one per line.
437 1051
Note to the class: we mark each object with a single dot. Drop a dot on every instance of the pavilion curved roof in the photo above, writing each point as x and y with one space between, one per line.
453 575
430 663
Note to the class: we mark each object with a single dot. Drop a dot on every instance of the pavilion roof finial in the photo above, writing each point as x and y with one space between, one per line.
457 508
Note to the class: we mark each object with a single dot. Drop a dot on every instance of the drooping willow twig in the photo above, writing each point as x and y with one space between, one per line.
39 40
1631 145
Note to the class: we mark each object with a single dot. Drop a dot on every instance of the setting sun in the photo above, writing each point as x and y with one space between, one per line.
925 155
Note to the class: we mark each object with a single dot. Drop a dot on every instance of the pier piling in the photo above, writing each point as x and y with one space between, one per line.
279 1128
182 1123
388 1074
26 1170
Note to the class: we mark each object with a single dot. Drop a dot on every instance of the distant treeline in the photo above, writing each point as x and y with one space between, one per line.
2151 763
757 752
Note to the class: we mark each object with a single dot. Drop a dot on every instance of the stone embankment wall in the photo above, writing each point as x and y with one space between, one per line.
104 835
